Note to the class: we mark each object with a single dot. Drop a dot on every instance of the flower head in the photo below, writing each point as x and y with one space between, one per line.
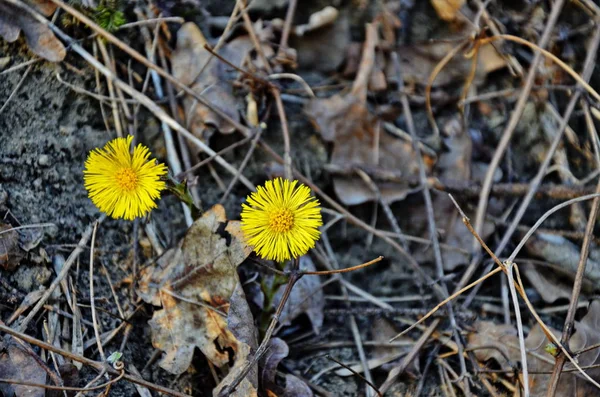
281 220
123 184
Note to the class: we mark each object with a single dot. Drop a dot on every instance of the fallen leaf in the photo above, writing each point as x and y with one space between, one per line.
241 324
10 253
552 282
39 38
306 298
419 60
360 139
505 347
214 83
294 387
323 45
447 9
16 363
194 283
562 252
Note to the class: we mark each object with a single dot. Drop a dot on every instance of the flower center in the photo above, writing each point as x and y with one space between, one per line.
281 220
126 179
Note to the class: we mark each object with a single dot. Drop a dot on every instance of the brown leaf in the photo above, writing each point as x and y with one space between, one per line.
40 38
241 324
10 253
194 283
359 138
562 252
16 363
294 387
419 60
503 338
214 83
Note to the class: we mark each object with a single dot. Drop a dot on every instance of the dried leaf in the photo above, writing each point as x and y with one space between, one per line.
214 83
503 338
447 9
241 324
562 252
306 297
10 253
322 46
359 138
551 281
16 363
194 283
40 38
294 387
419 60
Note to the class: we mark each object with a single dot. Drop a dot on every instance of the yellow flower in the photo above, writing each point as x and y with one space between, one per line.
281 221
122 184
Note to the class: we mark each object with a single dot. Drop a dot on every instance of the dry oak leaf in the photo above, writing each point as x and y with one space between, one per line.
40 39
194 283
504 344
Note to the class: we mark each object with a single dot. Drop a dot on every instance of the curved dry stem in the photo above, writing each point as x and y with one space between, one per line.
346 270
549 55
438 68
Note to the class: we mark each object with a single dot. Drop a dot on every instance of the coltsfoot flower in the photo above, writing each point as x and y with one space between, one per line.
121 183
282 219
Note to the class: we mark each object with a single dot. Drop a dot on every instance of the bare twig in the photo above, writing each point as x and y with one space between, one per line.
355 373
92 298
512 124
589 231
63 272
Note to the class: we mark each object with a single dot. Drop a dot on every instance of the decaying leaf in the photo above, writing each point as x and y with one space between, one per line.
419 61
359 138
306 297
16 363
447 9
213 83
241 324
40 38
10 253
552 282
278 350
322 43
194 283
562 252
500 342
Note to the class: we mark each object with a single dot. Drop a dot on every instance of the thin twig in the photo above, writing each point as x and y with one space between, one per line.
92 298
60 276
589 231
510 127
327 356
16 89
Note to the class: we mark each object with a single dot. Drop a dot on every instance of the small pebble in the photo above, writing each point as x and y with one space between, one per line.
44 160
